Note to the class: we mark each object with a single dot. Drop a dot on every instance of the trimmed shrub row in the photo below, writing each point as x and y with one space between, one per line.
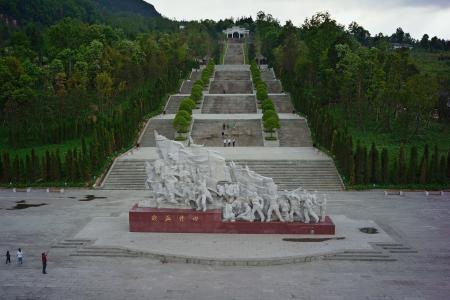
271 120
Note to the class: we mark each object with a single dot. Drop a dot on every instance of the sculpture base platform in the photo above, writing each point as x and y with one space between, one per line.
190 221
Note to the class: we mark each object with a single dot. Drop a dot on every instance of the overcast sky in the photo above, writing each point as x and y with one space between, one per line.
414 16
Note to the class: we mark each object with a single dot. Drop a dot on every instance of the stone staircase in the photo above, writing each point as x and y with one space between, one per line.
267 74
274 87
126 175
282 103
174 103
232 75
248 133
163 126
105 252
218 104
231 87
320 175
234 54
186 87
294 133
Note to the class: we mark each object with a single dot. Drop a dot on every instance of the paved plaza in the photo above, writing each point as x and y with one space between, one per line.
69 225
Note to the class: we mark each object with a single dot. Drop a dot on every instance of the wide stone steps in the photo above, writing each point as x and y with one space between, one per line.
231 87
294 133
282 103
105 252
320 175
164 127
274 87
173 104
229 105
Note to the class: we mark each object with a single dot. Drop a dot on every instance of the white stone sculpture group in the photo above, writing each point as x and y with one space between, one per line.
197 177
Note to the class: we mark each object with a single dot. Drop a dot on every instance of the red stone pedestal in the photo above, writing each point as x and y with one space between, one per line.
190 221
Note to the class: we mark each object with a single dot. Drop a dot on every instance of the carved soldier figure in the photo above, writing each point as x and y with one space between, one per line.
295 202
246 214
308 209
228 214
203 195
257 206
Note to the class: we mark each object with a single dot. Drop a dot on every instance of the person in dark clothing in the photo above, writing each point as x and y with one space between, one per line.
223 126
8 257
44 263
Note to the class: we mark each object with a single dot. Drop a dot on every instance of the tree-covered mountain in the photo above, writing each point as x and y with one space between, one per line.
138 7
47 12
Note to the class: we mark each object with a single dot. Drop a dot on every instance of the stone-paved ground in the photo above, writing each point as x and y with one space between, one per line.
209 132
419 221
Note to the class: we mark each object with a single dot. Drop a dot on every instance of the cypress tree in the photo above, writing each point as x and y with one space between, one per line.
6 167
412 168
442 167
374 164
57 163
34 165
351 176
394 173
28 169
1 169
48 166
16 169
365 164
423 176
434 165
384 166
358 162
423 171
67 165
448 165
401 165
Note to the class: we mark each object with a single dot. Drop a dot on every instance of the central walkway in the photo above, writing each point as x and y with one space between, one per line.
230 103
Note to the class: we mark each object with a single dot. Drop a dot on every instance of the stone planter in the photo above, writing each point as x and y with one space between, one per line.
271 143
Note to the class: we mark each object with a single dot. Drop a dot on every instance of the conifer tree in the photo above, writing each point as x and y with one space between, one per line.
434 165
394 173
35 166
16 169
351 176
424 176
401 166
448 165
6 167
412 168
384 166
1 169
442 169
374 164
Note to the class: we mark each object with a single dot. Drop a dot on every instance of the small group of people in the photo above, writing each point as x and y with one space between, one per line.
20 255
228 142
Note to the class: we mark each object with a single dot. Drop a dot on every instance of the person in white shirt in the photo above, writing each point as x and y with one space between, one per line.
19 256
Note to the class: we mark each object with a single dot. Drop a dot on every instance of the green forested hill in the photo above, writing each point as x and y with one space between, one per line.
77 78
47 12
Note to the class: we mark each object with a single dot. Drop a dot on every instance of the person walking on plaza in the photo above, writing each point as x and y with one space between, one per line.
44 263
229 142
8 257
234 142
19 256
223 126
225 142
